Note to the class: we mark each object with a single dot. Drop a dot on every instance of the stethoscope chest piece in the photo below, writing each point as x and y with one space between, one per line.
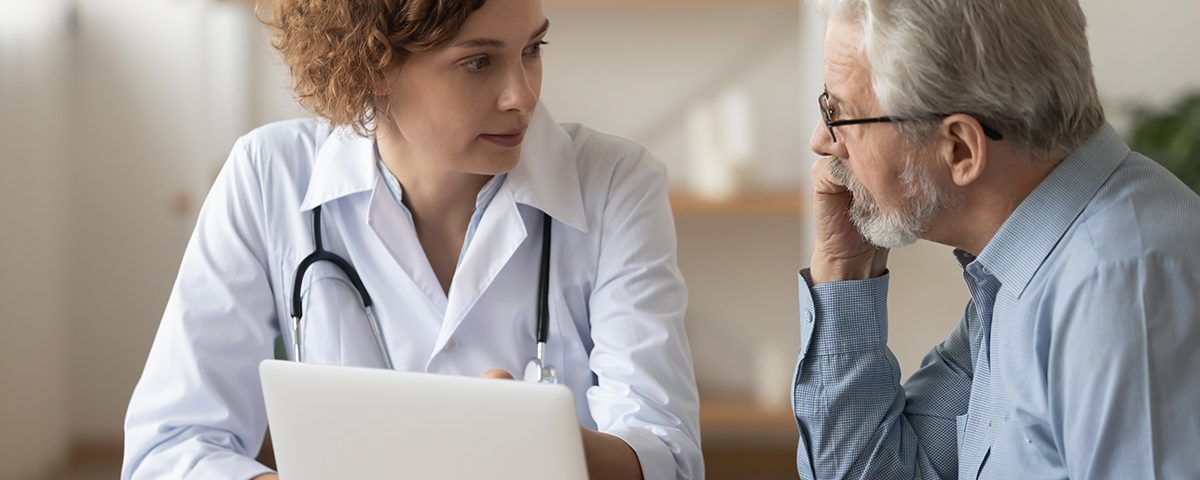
537 371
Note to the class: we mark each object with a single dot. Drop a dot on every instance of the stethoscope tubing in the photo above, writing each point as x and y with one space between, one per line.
319 254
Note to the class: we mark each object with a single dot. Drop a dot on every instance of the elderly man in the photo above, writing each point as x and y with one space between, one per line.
976 124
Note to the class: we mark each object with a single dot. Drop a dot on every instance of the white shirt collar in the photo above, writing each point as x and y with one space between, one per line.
545 178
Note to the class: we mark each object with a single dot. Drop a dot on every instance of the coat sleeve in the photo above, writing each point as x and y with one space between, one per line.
646 390
197 411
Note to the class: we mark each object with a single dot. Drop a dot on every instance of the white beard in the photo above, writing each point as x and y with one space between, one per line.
923 200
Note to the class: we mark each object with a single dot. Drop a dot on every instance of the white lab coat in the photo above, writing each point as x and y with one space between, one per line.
617 299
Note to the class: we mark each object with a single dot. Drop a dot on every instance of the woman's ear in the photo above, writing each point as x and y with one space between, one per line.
382 89
381 86
964 148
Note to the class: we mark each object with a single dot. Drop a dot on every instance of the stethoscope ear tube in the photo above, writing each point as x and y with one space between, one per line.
543 316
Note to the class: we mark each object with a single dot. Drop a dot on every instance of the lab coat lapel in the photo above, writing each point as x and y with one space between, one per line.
394 229
500 233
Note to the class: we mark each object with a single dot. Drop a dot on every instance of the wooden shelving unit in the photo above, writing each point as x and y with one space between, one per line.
739 418
750 204
742 439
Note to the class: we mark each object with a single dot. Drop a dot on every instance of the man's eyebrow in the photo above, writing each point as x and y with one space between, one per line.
494 43
832 96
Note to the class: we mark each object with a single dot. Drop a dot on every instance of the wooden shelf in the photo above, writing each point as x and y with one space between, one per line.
745 415
742 422
767 204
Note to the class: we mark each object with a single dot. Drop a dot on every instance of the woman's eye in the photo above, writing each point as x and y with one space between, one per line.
477 64
535 49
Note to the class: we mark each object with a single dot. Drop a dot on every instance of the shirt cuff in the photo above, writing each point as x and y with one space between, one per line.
653 454
844 317
229 465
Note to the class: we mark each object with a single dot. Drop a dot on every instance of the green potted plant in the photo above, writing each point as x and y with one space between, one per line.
1171 136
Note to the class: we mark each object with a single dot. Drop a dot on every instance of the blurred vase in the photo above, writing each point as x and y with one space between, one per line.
721 145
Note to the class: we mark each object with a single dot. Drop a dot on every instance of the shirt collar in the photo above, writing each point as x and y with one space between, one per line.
545 178
1027 237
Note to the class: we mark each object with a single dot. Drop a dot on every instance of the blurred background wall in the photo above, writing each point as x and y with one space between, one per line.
116 114
35 368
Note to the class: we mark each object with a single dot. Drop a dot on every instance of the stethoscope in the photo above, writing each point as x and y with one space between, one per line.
537 370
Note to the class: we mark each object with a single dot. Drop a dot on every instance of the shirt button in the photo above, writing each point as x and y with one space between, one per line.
1027 440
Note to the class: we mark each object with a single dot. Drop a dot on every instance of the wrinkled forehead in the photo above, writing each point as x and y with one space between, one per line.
847 72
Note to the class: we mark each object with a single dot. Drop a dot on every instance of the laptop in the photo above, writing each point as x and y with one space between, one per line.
331 422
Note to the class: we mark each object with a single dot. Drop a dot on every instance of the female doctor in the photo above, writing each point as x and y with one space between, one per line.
433 174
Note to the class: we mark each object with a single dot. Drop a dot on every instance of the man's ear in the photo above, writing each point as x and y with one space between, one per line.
963 146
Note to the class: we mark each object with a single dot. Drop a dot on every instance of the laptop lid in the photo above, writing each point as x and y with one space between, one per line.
332 422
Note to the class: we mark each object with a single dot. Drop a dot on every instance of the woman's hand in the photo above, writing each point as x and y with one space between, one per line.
497 373
607 456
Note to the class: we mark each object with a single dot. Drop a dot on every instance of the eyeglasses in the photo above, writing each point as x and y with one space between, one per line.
827 113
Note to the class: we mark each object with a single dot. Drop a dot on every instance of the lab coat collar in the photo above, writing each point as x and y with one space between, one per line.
545 178
345 165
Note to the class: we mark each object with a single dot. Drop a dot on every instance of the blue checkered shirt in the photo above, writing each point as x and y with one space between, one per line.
1078 355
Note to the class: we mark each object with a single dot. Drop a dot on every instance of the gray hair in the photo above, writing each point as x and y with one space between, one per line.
1019 66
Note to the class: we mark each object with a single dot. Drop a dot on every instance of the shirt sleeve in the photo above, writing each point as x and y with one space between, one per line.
197 411
855 419
1122 372
646 390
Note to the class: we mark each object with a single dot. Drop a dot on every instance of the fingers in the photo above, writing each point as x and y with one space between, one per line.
825 178
497 374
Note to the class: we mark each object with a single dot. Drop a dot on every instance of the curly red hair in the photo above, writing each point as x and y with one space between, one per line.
339 50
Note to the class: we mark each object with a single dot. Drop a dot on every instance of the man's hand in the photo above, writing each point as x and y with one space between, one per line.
267 476
840 252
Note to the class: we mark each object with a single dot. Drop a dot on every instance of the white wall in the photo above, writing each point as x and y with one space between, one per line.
34 66
1144 51
150 135
636 72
